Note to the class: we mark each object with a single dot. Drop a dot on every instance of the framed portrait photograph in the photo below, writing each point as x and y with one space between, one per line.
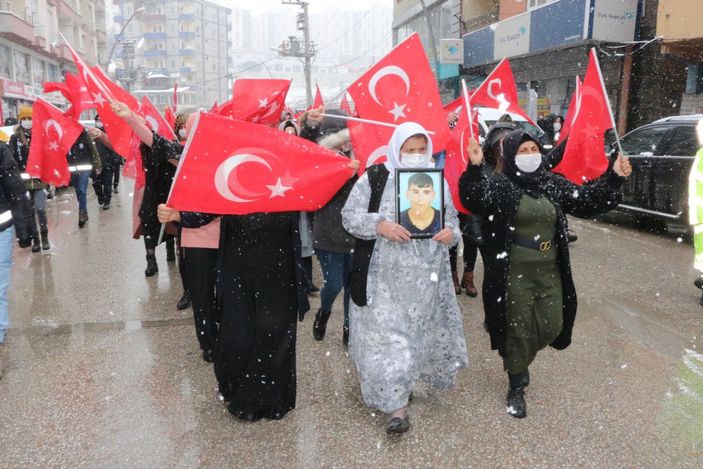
420 201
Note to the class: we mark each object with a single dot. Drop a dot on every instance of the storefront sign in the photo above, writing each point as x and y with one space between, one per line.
512 37
12 89
554 25
451 51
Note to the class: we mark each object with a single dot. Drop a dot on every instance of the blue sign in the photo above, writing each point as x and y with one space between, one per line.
478 47
557 24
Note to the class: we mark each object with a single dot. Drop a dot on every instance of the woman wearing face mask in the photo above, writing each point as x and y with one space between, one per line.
405 320
19 144
528 292
179 128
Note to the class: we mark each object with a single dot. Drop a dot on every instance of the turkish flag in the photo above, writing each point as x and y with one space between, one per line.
498 91
370 143
260 101
225 109
155 120
214 109
571 113
584 156
170 116
344 106
457 157
235 167
133 167
80 98
318 102
102 91
53 135
399 88
60 86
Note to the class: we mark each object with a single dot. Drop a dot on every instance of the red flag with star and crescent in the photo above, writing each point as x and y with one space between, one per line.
155 120
260 101
170 116
399 88
457 157
584 156
231 167
498 91
102 91
53 135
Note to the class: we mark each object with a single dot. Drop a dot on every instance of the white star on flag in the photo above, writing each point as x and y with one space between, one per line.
53 146
98 99
263 102
397 111
278 190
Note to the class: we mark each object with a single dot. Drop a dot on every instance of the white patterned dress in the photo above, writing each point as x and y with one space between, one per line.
411 328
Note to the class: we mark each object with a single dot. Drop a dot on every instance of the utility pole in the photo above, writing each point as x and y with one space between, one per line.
304 49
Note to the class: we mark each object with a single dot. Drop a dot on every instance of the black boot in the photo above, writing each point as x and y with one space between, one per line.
82 218
345 336
516 405
170 250
45 240
319 327
36 246
184 302
699 282
151 266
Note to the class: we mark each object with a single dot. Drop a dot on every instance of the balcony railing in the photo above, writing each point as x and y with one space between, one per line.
14 27
186 34
187 52
155 53
155 35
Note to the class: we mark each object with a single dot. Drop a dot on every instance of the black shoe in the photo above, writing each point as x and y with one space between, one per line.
699 282
209 356
312 289
398 425
106 207
151 266
319 327
82 218
36 246
184 302
516 405
49 195
115 190
571 236
345 336
45 240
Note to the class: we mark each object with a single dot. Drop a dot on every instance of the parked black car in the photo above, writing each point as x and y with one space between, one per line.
662 154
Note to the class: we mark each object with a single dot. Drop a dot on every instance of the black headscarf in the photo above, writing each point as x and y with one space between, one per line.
528 182
495 133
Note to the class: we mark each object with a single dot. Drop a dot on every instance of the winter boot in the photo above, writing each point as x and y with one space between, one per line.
82 218
170 250
455 280
345 336
184 302
515 403
151 266
468 283
45 240
36 246
699 282
319 327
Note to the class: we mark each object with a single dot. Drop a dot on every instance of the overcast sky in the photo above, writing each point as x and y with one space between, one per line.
260 6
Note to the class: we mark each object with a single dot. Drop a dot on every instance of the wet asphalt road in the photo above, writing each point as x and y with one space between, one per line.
103 371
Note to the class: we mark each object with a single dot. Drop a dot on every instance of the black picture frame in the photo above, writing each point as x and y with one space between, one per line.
403 183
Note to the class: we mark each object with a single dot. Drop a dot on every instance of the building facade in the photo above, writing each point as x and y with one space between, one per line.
165 43
32 52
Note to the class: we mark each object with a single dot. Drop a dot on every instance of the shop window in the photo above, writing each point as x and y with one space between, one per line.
694 81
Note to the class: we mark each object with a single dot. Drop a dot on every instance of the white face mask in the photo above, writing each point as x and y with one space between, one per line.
529 162
415 160
99 125
557 126
26 124
182 133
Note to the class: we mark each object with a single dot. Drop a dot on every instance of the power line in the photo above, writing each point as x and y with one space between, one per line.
366 51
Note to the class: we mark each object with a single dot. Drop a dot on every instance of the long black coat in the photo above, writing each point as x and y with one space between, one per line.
497 198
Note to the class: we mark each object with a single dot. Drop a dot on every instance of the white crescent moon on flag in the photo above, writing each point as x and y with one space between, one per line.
504 104
376 154
229 166
52 123
385 71
153 123
274 108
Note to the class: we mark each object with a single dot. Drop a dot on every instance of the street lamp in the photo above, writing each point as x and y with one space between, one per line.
138 11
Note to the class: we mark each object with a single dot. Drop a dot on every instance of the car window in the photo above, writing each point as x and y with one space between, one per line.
645 140
683 142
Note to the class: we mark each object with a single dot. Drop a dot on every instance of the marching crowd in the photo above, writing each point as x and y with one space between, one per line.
248 277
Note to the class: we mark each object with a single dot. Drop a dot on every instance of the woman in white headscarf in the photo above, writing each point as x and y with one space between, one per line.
405 320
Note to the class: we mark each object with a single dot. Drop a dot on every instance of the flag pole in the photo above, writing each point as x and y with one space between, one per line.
467 105
607 100
365 121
